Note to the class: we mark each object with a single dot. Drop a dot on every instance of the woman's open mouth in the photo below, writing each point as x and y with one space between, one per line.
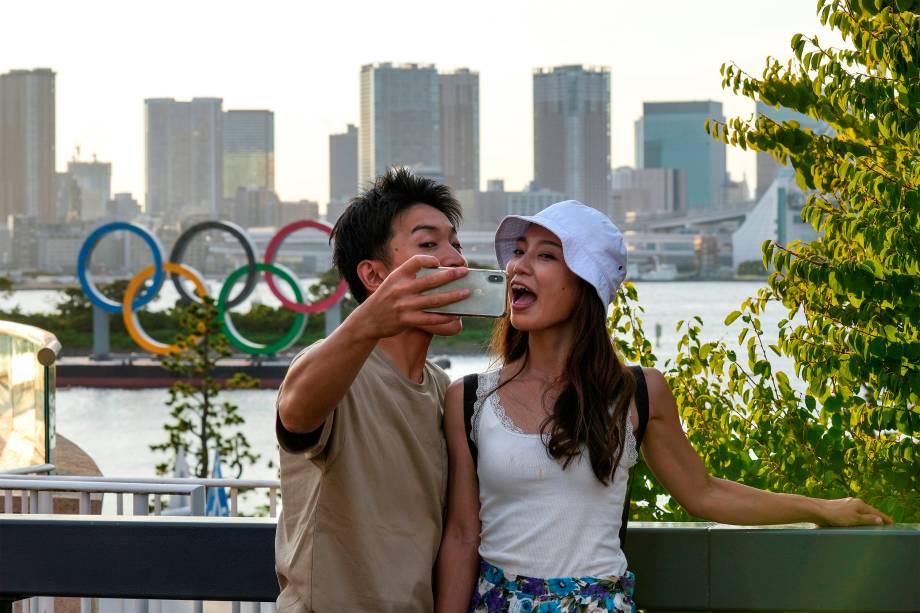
521 296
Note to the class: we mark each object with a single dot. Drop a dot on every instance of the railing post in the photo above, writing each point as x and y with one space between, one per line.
197 501
45 503
141 506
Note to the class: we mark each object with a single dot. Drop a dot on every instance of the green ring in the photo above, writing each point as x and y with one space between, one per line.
238 340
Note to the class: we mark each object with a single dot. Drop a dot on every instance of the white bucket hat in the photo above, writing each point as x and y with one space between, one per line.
592 246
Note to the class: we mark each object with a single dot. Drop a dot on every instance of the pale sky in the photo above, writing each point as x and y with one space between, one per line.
302 61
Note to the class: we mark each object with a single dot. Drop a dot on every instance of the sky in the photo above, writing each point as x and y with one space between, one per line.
302 60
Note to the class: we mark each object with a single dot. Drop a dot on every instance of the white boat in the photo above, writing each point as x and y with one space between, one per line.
664 272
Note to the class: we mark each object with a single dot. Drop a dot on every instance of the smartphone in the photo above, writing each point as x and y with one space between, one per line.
488 293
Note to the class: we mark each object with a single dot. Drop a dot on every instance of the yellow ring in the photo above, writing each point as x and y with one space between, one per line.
133 326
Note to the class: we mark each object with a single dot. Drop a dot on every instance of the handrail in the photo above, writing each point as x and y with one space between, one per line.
273 485
21 471
207 482
92 487
48 345
41 489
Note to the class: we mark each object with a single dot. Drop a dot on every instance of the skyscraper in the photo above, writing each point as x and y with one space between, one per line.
672 135
400 120
767 167
94 187
650 191
343 165
249 150
460 128
27 144
571 132
184 144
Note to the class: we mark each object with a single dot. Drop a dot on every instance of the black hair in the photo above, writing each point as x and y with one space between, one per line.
366 226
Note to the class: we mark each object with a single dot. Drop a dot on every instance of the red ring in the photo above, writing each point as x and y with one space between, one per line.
269 258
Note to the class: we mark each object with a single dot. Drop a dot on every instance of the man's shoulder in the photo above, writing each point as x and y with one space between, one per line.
439 375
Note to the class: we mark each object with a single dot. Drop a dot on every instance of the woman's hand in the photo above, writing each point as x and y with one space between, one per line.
851 512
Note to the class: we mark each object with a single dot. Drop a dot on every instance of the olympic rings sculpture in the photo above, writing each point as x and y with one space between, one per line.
134 299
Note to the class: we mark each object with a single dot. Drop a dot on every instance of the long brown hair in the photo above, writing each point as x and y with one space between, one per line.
594 379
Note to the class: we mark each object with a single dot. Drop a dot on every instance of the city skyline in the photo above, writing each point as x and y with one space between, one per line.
100 103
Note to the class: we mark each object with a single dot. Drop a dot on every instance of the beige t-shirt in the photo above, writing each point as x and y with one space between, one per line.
362 509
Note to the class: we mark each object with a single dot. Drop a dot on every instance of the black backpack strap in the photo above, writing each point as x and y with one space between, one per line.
641 403
470 386
642 410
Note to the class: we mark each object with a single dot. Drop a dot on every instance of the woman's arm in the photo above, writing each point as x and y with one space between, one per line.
458 559
681 471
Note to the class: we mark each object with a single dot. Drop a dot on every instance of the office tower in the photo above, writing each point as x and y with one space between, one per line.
123 207
400 120
767 166
249 150
571 129
343 165
93 181
672 135
184 146
27 144
460 128
254 207
646 192
289 212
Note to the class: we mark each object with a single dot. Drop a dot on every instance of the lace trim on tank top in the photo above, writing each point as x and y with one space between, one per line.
487 383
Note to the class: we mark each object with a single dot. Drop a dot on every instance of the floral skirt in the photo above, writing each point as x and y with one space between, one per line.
498 591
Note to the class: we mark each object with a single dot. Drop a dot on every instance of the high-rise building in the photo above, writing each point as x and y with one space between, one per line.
767 167
571 131
94 187
400 120
123 207
672 135
249 150
289 212
27 144
646 192
459 93
343 165
184 144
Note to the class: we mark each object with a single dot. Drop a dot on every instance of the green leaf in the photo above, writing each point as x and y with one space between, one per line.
731 317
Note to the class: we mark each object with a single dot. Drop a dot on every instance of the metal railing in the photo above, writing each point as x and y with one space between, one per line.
35 494
679 567
37 469
234 485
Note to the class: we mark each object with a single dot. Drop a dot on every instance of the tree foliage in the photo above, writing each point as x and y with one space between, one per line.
199 421
853 295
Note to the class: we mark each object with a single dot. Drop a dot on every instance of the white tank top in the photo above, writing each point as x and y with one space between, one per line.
539 520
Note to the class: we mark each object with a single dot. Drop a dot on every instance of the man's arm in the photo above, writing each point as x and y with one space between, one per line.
316 383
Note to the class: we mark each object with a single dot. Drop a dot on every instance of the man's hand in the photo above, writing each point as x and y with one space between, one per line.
398 304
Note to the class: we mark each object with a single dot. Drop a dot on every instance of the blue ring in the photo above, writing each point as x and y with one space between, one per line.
86 252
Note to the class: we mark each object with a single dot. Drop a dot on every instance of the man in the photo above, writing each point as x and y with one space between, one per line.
363 460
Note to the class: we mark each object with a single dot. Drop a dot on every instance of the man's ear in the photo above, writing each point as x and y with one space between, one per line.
372 273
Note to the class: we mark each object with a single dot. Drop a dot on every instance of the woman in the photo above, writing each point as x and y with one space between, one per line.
533 519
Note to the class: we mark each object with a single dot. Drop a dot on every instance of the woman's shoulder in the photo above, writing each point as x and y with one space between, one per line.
660 397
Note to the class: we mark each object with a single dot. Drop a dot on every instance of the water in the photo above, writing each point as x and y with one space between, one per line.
116 427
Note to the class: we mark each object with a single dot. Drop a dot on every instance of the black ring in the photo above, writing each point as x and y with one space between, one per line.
237 232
